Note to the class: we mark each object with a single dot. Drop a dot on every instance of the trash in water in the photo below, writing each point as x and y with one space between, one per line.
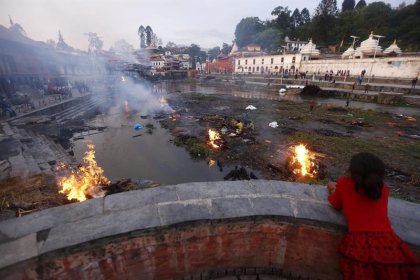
282 92
251 107
138 126
273 124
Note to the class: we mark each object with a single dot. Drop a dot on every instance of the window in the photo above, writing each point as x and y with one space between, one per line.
293 59
272 60
258 68
282 59
262 61
246 61
253 62
239 62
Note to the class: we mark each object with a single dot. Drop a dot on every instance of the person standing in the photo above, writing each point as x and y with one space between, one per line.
414 82
371 249
367 88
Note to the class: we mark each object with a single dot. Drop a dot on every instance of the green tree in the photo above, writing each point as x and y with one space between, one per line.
361 4
214 52
327 8
283 19
323 23
296 18
348 5
246 30
306 17
269 39
226 48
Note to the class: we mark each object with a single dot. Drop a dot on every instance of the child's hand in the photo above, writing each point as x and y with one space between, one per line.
331 187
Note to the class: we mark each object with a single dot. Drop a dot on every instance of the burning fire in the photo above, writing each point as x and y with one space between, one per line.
303 162
86 180
211 162
174 117
213 137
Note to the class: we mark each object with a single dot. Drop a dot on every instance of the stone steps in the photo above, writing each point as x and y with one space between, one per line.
79 110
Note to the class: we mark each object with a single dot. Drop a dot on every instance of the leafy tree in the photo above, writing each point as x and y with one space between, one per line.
226 48
327 8
214 52
283 19
361 4
95 43
149 35
306 17
246 30
269 39
348 5
296 18
324 21
142 36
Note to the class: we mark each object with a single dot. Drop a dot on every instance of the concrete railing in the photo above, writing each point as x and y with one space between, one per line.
26 243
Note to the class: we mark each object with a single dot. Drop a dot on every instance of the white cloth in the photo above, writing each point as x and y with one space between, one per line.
251 107
273 124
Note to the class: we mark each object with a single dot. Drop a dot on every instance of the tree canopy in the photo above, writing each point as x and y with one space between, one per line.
329 26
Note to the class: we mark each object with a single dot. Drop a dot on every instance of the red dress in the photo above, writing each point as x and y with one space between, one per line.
370 249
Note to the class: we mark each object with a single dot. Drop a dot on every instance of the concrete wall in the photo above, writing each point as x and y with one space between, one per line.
392 67
387 67
202 230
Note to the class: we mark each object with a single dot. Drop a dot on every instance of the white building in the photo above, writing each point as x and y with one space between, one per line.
157 62
268 64
294 46
185 65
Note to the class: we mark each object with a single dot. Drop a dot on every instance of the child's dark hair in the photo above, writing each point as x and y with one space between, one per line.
368 172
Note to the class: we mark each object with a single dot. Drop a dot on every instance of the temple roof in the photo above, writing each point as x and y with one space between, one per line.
348 53
393 48
369 46
310 49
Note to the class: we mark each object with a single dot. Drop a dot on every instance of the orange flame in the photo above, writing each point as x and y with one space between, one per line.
86 180
213 136
303 161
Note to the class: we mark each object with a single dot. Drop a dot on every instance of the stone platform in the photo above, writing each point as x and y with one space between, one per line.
204 230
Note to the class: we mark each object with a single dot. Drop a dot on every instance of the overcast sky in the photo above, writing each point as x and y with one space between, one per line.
207 23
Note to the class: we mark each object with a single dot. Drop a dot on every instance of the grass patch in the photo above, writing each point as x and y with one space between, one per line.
343 148
192 145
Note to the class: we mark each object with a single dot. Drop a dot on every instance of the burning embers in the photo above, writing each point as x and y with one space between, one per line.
214 138
302 162
84 182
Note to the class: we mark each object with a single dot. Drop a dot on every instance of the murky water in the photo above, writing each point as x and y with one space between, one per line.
149 156
155 157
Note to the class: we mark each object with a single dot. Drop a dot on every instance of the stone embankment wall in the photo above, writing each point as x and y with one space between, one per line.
188 231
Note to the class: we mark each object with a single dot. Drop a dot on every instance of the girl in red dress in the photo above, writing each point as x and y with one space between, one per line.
370 249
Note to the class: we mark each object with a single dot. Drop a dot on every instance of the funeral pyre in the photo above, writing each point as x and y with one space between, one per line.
87 180
302 162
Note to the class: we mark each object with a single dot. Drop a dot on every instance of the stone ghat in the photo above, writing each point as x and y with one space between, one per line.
203 230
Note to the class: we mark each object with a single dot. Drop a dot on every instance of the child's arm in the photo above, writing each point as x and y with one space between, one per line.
335 197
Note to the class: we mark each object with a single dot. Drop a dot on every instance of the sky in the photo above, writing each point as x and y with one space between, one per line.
207 23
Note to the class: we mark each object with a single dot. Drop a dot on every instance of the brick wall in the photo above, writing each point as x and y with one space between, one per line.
199 250
188 231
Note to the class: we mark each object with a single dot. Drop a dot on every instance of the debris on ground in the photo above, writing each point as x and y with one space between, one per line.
361 123
240 174
273 124
250 107
404 117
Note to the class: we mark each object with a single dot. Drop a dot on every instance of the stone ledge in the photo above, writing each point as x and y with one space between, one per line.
121 213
